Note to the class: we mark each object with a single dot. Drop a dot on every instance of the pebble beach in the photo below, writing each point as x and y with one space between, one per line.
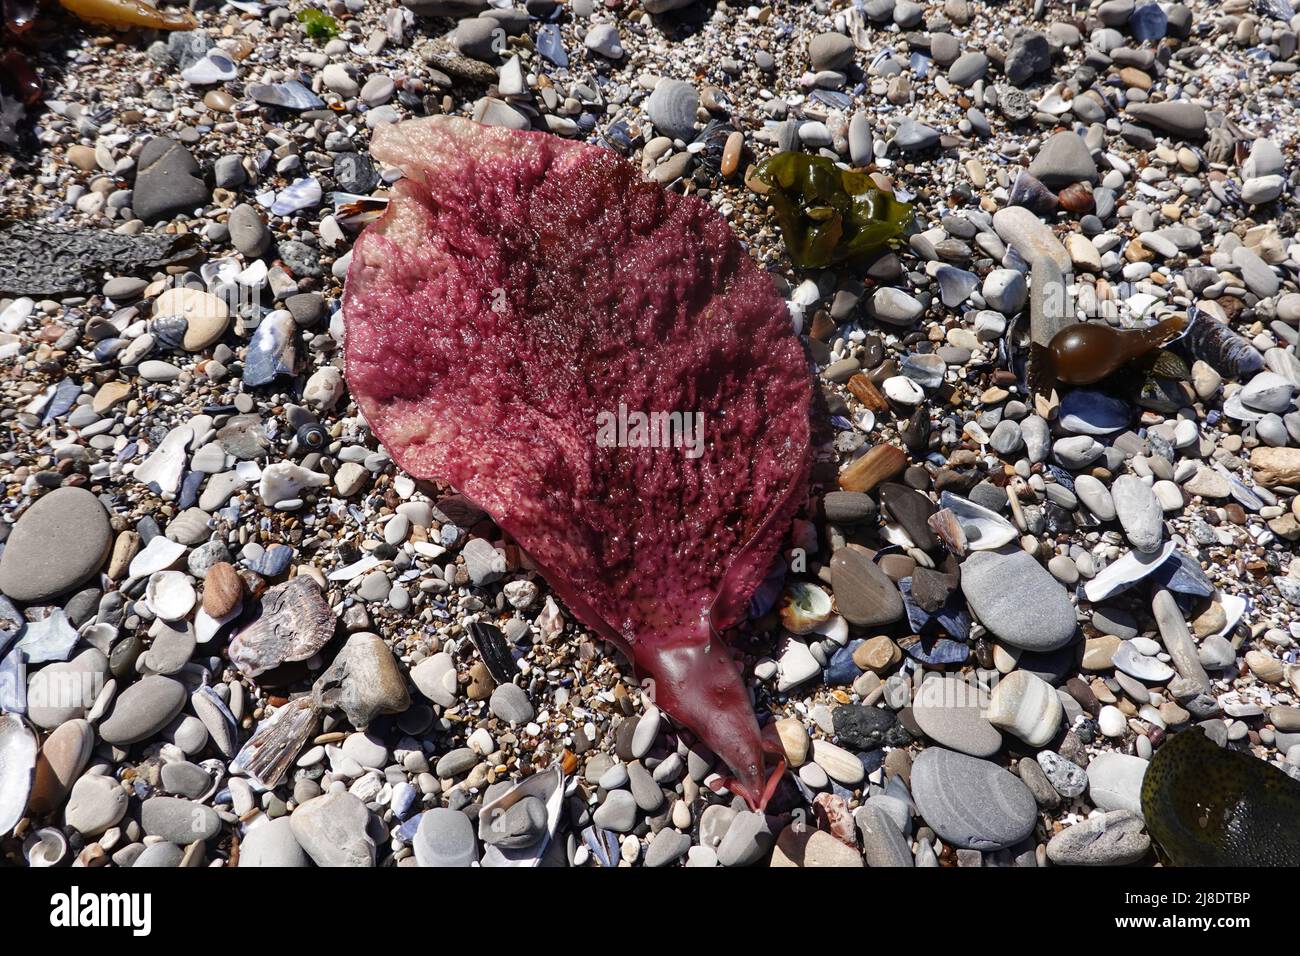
234 633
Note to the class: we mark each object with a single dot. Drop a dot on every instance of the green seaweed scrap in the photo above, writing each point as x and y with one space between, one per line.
318 25
830 215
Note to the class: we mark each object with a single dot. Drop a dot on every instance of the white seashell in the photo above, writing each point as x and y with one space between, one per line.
985 530
285 480
1125 571
170 594
158 555
896 534
206 627
17 767
350 572
254 276
165 466
99 636
836 629
219 272
1234 607
804 607
46 847
901 389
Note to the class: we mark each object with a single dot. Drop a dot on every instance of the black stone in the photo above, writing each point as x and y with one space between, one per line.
867 728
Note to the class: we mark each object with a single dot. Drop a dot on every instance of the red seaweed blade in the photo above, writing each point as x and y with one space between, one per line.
518 287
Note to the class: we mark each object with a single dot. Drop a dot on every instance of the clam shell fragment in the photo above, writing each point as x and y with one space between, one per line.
548 786
17 768
984 530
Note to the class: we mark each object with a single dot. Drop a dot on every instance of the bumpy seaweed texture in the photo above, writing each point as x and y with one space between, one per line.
519 287
830 215
41 260
1206 805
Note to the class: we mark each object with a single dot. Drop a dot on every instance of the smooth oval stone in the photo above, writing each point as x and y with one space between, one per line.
97 803
333 830
57 544
63 756
163 855
864 594
445 837
143 709
1017 599
671 107
950 712
1027 706
272 843
971 803
1115 781
179 820
61 692
1142 666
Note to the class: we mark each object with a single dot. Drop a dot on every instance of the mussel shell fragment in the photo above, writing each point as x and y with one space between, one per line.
494 651
1215 343
984 529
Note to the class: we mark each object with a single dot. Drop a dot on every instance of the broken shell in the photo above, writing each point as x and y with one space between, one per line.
984 529
1125 571
494 651
206 627
170 595
46 847
285 480
17 768
268 754
946 526
294 623
804 607
547 786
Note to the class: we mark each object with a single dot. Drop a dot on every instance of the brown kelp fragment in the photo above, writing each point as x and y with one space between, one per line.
128 14
1206 805
830 215
523 304
1087 352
